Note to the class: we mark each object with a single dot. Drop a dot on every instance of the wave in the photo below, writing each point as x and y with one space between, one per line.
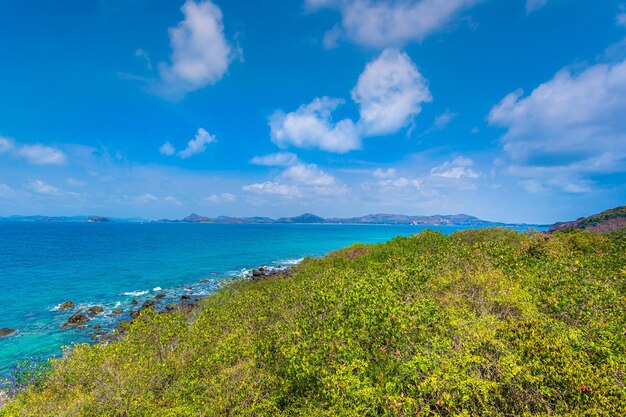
135 293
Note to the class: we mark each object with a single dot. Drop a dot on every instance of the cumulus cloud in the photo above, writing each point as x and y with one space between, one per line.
42 155
456 169
279 159
312 126
6 144
201 54
197 144
301 181
380 24
567 127
167 149
532 5
389 92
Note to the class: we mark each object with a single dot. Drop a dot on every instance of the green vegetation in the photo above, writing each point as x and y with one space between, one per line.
481 322
611 220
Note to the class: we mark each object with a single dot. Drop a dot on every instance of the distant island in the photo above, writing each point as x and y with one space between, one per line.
382 219
98 219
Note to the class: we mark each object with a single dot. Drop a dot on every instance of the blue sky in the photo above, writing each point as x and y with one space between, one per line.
507 110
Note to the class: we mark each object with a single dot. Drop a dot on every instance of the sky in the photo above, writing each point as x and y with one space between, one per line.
507 110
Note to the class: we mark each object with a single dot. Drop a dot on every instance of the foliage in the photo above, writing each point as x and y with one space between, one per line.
481 322
29 372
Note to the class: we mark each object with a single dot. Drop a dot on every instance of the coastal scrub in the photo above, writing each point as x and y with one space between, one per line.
481 322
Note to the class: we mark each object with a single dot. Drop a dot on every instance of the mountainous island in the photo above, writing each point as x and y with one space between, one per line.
389 219
483 321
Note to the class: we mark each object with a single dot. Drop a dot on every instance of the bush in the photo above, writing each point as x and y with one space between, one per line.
481 322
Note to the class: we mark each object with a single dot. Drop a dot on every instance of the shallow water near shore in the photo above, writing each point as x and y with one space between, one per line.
112 264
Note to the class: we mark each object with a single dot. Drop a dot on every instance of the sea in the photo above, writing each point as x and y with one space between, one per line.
43 264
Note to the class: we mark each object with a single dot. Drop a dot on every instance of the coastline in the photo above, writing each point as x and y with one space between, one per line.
110 322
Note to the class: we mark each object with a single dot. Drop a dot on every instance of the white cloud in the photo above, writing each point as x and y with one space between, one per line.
167 149
220 198
568 128
384 173
201 54
42 187
621 19
270 187
42 155
311 126
302 181
570 119
381 24
173 200
198 144
532 5
6 144
443 120
279 159
389 92
145 198
458 168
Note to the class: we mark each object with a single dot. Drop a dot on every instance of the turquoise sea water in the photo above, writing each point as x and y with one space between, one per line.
111 264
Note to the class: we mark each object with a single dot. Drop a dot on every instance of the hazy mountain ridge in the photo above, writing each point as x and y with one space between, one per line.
305 218
380 218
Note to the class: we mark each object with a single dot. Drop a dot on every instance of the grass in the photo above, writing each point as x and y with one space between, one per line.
481 322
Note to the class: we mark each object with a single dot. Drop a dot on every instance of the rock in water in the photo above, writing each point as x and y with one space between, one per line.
66 305
5 331
159 296
116 312
75 319
147 304
94 311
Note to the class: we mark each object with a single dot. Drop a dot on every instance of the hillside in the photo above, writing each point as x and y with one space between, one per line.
605 222
481 322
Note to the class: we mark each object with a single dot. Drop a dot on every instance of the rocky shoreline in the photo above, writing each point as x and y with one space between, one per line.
185 305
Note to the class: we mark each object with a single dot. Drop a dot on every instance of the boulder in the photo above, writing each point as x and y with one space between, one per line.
75 320
66 306
94 311
135 314
134 303
5 331
184 298
147 304
170 308
159 296
97 327
115 312
204 281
